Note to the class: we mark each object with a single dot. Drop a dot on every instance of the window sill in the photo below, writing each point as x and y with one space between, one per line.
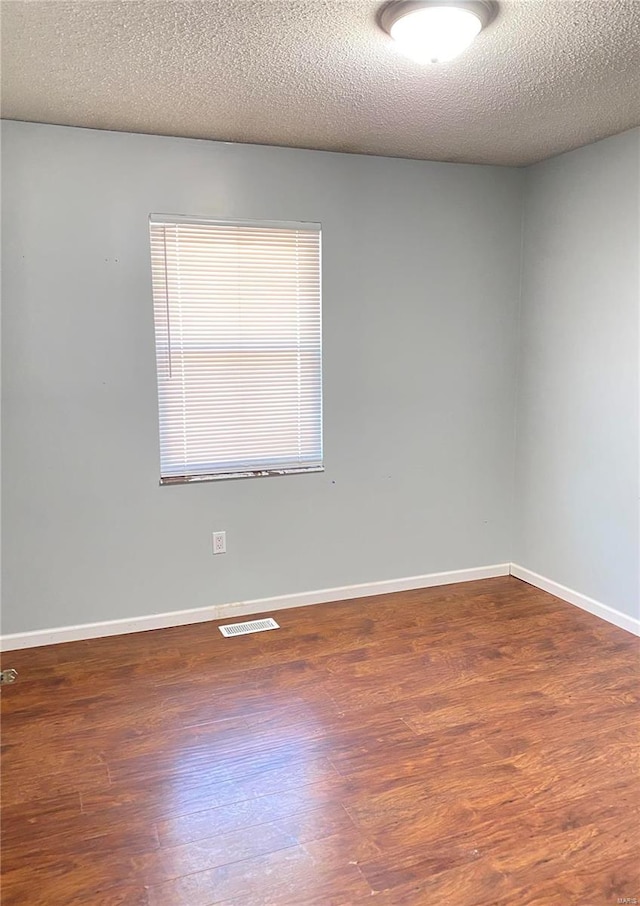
225 476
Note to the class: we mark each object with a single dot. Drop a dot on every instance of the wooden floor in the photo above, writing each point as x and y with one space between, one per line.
467 745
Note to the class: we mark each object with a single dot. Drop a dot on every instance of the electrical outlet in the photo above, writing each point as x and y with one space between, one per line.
219 542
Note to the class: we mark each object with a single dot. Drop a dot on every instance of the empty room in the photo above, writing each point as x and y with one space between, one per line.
320 452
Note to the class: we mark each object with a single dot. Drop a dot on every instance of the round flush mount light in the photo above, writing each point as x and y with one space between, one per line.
434 31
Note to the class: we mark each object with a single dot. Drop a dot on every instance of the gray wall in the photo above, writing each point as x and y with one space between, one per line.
421 276
577 434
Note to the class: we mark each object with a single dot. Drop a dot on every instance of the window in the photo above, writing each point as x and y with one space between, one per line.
237 313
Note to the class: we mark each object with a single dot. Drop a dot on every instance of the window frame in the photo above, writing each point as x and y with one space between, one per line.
159 220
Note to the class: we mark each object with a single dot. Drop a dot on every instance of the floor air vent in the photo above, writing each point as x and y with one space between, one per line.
245 628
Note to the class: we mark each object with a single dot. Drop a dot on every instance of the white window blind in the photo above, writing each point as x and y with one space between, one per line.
237 309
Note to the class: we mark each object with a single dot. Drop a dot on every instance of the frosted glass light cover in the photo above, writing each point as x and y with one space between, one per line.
435 34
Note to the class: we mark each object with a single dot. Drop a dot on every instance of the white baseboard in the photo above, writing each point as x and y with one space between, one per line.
243 608
622 620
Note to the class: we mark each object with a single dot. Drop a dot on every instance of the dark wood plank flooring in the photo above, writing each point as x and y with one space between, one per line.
472 744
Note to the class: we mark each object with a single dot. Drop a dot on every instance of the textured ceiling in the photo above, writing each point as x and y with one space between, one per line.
543 78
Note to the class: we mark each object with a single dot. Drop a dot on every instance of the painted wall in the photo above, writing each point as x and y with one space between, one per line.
577 465
421 282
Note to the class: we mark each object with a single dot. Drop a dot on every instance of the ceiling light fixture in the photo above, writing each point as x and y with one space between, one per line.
434 31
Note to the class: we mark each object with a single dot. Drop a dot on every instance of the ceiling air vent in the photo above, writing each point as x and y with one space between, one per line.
232 629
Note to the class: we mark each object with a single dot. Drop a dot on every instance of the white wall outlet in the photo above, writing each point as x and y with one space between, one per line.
219 542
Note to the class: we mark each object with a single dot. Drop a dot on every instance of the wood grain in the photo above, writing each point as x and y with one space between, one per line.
475 744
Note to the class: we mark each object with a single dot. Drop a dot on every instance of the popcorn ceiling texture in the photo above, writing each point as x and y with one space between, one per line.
544 77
